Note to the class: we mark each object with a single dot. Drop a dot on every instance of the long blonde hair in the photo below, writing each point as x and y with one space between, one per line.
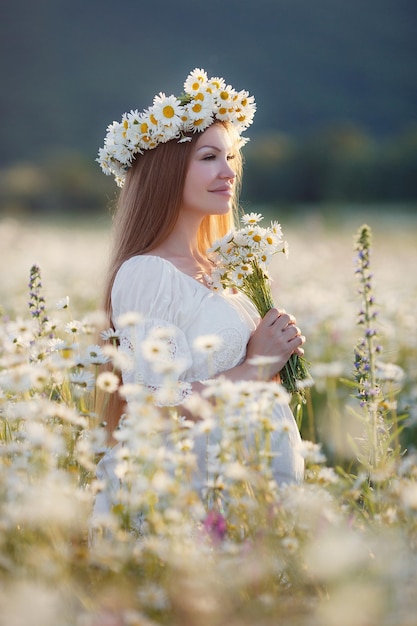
148 208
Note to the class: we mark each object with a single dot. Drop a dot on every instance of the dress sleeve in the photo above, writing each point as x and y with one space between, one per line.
155 342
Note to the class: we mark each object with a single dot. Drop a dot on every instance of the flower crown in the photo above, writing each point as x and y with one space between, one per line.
204 100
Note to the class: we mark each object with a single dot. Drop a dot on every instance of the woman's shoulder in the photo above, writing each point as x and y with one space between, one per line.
148 282
148 261
145 271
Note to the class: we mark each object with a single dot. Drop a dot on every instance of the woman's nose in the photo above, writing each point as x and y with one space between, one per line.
228 172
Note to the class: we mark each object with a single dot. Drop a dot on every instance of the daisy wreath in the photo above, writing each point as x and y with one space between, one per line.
241 261
204 101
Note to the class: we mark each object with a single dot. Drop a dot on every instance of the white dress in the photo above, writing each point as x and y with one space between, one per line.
166 297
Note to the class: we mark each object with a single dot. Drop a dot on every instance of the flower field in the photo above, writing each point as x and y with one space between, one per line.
339 549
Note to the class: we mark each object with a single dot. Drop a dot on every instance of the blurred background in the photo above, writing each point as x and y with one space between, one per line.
333 144
335 83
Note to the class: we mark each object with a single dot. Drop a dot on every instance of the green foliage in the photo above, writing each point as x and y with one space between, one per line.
338 165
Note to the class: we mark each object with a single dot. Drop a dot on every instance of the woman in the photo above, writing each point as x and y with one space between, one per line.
179 165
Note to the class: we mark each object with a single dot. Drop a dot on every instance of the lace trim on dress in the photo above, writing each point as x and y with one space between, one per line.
232 350
230 353
125 343
169 395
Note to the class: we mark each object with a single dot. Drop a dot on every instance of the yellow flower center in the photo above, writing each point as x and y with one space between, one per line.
198 122
257 238
196 107
168 111
199 96
244 102
269 240
224 95
222 110
153 119
195 86
144 127
126 124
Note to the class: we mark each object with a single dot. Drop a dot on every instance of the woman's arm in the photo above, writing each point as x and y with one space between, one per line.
276 336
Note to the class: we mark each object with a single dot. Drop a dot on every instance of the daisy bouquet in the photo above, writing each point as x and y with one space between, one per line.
241 260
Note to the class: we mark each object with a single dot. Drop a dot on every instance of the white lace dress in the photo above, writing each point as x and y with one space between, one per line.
166 297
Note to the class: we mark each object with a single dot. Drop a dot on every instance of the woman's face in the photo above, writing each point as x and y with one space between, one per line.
210 178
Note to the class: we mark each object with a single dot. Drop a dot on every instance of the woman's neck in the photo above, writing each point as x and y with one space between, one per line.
185 255
182 242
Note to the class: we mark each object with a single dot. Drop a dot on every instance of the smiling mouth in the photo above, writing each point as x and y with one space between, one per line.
227 191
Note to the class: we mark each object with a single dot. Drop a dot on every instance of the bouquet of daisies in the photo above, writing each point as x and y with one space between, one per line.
241 261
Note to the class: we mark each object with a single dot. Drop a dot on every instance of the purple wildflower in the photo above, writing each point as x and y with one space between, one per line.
215 526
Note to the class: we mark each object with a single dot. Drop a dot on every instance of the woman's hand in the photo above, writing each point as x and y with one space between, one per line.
277 337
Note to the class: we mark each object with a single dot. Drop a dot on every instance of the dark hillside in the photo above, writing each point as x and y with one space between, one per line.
69 67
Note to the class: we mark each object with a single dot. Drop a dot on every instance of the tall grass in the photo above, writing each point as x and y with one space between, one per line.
340 548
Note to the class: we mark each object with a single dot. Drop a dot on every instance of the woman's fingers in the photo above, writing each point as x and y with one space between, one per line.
271 317
283 327
278 318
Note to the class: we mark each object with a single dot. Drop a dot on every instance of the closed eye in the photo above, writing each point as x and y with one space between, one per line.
210 157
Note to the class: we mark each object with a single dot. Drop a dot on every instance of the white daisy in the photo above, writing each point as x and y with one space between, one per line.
121 360
208 343
133 117
311 452
199 124
122 154
154 349
39 376
95 355
73 327
108 382
129 391
215 84
167 110
245 109
165 333
195 80
129 319
224 101
63 303
171 367
276 229
236 277
262 361
83 380
199 109
110 334
116 135
251 218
